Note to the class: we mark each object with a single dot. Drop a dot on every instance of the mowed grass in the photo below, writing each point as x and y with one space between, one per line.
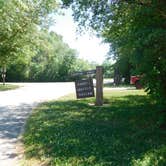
8 87
128 130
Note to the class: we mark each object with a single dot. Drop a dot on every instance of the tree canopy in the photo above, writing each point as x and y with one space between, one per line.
50 59
136 31
18 24
27 48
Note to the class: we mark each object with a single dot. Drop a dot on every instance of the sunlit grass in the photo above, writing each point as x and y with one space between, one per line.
127 130
8 87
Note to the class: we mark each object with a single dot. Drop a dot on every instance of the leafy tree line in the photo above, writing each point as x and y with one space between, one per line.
19 21
50 60
136 31
27 49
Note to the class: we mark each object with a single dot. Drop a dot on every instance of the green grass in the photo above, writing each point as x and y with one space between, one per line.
111 85
8 87
128 130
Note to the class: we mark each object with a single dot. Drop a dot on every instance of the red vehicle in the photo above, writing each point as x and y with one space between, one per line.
135 80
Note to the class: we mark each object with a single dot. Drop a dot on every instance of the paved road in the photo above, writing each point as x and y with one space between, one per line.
15 106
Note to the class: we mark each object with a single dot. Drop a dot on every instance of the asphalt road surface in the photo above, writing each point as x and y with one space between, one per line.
15 107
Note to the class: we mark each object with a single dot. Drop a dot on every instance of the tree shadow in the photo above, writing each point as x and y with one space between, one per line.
73 131
12 122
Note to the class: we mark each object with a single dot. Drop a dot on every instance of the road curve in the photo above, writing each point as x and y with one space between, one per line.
15 106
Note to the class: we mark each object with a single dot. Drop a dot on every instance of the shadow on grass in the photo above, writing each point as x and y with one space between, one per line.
75 133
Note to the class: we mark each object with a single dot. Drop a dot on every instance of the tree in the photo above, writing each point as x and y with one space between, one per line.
18 70
108 69
83 65
19 20
53 58
50 59
136 31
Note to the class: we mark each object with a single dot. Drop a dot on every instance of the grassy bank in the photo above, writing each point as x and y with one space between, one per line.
8 87
128 130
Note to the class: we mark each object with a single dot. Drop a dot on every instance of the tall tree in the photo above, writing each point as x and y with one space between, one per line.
136 30
18 24
50 60
54 60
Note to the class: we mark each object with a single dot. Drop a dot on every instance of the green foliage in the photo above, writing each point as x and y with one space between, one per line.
54 60
125 131
18 69
83 65
124 67
136 31
19 20
49 59
108 69
143 29
152 157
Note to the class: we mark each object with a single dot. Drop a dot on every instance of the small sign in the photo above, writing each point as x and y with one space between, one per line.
88 72
84 88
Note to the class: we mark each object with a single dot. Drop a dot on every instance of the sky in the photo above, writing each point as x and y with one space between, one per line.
88 46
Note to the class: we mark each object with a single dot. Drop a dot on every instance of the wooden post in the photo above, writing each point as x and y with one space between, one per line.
3 73
99 86
3 80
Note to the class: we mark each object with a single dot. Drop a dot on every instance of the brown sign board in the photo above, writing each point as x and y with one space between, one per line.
80 73
84 88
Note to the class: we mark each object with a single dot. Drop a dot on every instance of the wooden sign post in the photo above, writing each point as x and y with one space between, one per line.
99 86
84 87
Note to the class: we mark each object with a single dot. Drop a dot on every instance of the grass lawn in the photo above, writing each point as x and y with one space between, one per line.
8 87
128 130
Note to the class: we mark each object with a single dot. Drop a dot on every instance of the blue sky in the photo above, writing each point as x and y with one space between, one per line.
87 45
